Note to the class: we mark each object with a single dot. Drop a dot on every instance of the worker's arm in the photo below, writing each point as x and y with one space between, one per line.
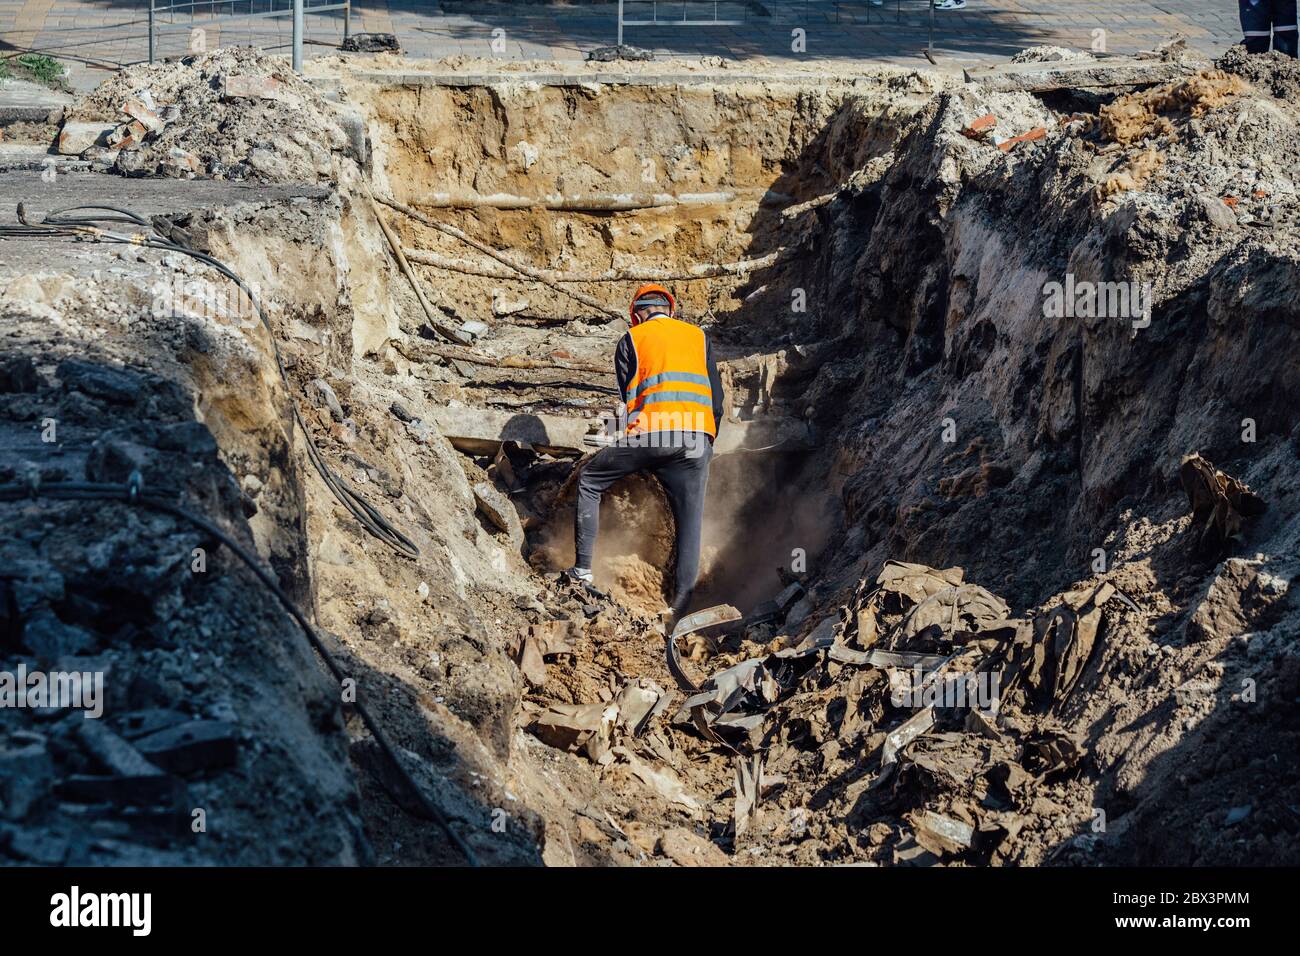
625 365
715 385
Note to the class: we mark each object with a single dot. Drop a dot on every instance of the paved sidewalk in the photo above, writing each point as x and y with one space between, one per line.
94 37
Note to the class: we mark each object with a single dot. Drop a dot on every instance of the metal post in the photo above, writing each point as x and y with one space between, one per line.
929 45
620 22
347 20
297 36
151 40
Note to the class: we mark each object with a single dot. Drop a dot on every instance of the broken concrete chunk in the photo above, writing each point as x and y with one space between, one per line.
481 431
18 374
75 138
497 508
48 638
99 381
140 723
942 835
26 773
502 306
1218 213
252 87
371 43
113 753
143 115
192 746
323 396
1081 74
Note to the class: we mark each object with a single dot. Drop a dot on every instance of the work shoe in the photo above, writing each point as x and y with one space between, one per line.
579 576
583 581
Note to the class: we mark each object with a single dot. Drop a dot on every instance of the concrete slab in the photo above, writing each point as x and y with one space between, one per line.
22 101
148 197
1075 74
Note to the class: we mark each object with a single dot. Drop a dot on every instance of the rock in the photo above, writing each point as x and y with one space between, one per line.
112 752
142 114
113 458
48 638
502 306
356 130
18 374
1218 213
400 413
141 723
191 746
75 138
623 51
26 773
500 512
99 381
642 835
1236 815
687 848
322 395
270 162
252 87
192 439
371 43
31 581
34 846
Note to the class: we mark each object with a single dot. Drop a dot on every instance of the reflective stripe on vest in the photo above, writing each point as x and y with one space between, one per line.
670 390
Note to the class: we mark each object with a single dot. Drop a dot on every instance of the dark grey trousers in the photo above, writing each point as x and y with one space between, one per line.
684 473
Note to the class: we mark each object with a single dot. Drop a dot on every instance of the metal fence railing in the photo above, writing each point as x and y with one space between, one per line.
195 14
686 13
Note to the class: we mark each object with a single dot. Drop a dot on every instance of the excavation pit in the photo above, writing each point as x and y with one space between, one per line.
890 298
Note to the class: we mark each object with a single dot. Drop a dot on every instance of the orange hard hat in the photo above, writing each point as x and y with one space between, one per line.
652 288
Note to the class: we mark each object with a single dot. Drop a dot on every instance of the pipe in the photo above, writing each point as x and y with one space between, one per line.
606 202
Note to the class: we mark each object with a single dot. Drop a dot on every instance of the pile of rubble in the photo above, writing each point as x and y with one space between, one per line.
235 113
922 723
195 713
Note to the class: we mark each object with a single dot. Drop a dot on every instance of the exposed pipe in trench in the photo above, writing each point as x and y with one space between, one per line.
487 250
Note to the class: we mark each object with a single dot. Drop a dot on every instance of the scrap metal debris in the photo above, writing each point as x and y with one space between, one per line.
1219 502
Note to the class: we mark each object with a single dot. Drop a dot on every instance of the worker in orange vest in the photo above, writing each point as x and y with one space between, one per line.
669 384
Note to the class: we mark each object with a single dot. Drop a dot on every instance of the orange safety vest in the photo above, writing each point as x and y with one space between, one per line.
671 390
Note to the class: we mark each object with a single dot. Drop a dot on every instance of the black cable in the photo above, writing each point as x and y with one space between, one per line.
58 222
131 493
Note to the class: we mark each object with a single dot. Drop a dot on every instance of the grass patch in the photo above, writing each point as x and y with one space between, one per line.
38 67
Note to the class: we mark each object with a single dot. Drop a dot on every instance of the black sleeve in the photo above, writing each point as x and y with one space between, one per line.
715 384
624 365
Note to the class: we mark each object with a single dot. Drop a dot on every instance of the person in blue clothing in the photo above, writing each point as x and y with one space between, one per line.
1265 19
